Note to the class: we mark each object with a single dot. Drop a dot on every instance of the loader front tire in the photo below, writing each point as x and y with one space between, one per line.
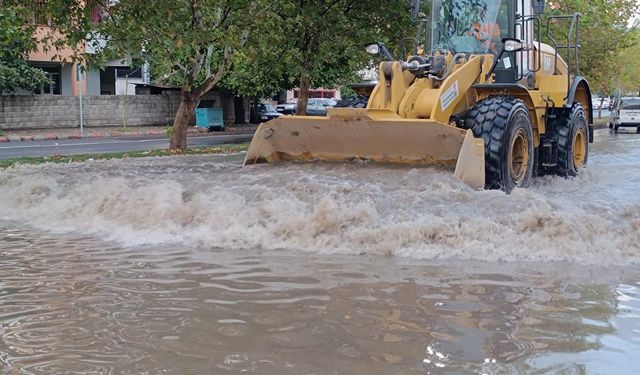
573 142
505 126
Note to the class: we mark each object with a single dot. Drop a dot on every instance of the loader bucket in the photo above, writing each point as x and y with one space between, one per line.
369 134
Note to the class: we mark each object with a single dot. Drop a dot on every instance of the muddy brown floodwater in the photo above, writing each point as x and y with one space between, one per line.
197 265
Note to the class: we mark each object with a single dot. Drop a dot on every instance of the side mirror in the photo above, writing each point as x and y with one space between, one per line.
373 49
538 6
378 49
512 45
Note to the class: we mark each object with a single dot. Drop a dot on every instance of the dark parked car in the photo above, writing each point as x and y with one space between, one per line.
265 112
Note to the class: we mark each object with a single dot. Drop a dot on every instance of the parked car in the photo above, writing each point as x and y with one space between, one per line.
288 108
315 106
318 106
626 113
265 112
596 102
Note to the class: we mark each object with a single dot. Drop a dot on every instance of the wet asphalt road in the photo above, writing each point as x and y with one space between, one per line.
195 264
11 150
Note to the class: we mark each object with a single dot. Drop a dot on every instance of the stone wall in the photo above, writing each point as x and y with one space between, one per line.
56 111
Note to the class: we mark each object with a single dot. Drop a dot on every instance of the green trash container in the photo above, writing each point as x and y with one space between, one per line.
207 116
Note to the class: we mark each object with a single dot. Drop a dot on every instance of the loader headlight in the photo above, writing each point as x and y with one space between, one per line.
512 45
373 48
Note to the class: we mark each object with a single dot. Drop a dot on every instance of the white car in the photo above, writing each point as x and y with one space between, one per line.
596 103
626 113
288 108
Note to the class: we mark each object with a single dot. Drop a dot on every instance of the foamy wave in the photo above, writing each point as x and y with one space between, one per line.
331 208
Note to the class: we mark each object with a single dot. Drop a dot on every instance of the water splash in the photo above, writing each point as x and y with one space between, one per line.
335 208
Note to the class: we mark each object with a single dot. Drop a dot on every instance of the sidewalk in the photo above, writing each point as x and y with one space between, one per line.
110 132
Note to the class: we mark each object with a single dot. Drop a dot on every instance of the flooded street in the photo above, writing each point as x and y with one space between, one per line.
197 265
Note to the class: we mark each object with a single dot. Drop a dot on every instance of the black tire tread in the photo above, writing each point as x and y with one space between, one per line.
564 130
489 119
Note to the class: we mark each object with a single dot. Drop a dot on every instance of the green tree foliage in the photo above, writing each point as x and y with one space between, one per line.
189 43
16 41
325 38
628 79
317 43
263 67
606 31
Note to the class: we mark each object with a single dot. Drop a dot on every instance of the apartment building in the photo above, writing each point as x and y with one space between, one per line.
116 78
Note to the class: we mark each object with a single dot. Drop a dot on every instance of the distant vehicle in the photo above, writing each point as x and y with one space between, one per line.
288 108
315 106
626 113
318 106
606 103
266 112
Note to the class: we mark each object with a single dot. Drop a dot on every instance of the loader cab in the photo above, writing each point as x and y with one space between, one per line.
479 27
472 26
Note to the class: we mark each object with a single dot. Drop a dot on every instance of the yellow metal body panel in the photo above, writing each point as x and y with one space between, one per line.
393 83
487 63
547 60
451 92
422 87
470 165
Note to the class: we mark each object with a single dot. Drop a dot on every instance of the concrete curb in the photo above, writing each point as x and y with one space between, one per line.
91 135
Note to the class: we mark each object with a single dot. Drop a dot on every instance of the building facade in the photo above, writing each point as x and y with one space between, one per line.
116 78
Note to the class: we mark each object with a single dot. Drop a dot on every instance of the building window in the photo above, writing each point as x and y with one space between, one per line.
131 72
40 13
54 74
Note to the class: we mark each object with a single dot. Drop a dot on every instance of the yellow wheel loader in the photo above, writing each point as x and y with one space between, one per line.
490 100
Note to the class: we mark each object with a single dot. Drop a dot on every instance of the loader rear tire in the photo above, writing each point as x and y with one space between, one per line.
504 124
573 142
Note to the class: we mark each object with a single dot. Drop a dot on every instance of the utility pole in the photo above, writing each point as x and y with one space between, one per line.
126 94
79 79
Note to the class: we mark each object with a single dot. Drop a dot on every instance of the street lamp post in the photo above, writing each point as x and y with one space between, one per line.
79 79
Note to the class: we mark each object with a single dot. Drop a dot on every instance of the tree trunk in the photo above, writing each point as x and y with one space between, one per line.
181 121
600 108
303 94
